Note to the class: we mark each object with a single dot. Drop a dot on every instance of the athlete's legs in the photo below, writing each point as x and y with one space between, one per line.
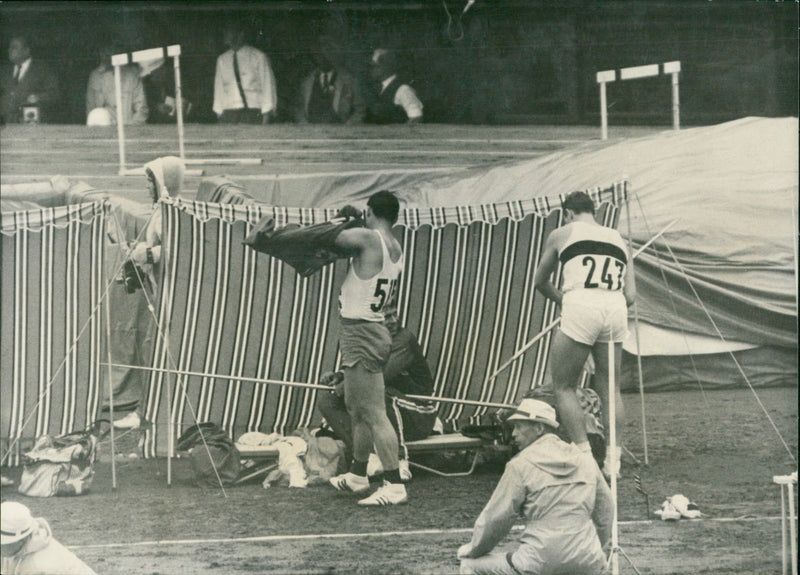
364 396
567 357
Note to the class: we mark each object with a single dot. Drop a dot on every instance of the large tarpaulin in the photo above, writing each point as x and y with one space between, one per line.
732 187
466 291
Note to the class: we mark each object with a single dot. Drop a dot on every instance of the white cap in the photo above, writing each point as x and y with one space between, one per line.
534 410
101 117
16 522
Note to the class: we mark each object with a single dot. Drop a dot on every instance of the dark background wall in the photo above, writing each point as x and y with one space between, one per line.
504 61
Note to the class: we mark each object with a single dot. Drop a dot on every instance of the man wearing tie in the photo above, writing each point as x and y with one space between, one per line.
244 85
26 83
330 94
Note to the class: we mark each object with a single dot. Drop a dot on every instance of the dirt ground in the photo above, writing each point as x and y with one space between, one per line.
718 449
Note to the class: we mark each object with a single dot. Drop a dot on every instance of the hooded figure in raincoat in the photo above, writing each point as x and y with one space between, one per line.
164 180
559 493
27 546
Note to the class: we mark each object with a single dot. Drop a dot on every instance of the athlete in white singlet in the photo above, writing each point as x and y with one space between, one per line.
597 288
365 343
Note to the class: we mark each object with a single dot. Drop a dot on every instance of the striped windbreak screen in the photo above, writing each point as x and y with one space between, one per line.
51 332
466 291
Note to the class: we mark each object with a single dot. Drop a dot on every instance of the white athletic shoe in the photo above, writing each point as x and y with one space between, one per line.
130 421
389 494
350 482
405 471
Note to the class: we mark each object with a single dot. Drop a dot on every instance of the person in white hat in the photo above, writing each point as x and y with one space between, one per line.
27 546
560 494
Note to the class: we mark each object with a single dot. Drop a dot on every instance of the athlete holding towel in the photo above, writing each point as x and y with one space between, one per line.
376 261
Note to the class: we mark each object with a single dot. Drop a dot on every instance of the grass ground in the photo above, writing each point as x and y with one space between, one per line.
719 450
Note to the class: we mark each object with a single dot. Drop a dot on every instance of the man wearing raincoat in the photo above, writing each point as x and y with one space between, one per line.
560 494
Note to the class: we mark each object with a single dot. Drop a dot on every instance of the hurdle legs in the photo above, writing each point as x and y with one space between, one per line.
787 483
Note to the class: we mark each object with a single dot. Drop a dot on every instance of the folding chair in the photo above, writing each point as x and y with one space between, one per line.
445 443
264 458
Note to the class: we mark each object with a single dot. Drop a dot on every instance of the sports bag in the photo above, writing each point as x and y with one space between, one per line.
218 452
61 465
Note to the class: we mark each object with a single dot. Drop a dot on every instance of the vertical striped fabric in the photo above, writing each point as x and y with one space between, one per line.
52 283
467 292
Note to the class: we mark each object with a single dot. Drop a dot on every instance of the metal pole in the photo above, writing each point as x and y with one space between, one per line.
176 59
638 344
120 122
307 385
612 446
110 394
603 112
676 103
792 527
522 350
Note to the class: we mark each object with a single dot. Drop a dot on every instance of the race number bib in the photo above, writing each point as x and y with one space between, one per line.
603 272
384 291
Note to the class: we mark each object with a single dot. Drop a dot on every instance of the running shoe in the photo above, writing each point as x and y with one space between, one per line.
130 421
389 494
350 482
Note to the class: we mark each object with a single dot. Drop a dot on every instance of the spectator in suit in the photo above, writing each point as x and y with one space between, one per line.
27 83
158 78
101 99
330 94
244 84
396 102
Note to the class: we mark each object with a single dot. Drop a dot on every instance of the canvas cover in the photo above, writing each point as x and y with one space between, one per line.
52 343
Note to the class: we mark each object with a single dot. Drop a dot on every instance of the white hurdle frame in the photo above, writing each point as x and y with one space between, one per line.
607 76
788 493
174 52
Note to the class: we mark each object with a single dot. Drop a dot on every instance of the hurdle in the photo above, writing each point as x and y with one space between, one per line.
174 52
607 76
788 501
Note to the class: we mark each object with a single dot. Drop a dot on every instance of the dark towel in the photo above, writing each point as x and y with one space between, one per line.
306 248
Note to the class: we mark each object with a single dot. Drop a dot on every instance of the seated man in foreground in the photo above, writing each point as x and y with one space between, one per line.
560 493
406 372
27 545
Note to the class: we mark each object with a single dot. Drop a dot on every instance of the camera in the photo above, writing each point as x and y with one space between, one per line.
133 277
30 114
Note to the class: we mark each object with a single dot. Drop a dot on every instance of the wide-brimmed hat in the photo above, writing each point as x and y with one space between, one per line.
534 410
16 522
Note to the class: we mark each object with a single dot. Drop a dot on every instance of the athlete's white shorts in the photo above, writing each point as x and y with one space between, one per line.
590 316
